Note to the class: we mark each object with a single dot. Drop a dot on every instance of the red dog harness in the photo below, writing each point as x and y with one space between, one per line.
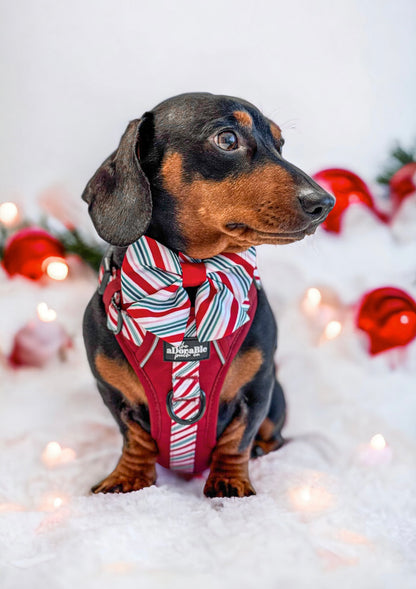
185 437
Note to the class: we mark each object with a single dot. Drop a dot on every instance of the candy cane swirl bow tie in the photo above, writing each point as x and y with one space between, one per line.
153 295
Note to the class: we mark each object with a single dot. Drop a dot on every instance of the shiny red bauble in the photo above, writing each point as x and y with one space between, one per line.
348 188
388 316
26 252
403 184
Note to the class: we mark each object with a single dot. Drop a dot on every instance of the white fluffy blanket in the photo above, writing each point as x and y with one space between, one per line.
324 515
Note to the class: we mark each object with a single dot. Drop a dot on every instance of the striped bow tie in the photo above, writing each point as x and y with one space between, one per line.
153 295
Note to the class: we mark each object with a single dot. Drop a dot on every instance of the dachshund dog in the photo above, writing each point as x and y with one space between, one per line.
203 176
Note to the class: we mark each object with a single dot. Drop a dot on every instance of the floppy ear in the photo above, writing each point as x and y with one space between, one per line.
118 195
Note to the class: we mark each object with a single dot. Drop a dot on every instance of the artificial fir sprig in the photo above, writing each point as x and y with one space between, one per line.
399 157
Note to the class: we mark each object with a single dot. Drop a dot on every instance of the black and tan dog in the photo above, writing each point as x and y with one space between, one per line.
202 174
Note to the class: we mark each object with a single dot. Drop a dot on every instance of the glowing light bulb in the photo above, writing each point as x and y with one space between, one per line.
58 502
313 296
53 449
309 498
54 454
52 501
300 497
45 313
56 268
378 442
333 329
311 301
376 453
305 495
9 213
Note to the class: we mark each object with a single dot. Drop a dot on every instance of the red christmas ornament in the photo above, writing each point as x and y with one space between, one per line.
27 250
388 316
403 184
348 188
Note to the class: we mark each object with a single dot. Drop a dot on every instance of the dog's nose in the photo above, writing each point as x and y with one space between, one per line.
317 205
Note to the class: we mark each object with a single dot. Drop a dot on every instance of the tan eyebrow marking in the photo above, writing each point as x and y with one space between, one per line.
276 131
243 118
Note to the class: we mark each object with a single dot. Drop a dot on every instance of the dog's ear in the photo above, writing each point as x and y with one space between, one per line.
118 195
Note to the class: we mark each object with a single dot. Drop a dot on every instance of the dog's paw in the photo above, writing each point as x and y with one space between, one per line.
222 486
116 484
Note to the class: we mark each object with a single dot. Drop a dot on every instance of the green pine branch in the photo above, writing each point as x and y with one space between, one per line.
70 239
3 237
74 244
399 157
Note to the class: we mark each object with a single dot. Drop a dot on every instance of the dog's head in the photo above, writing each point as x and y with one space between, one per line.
204 174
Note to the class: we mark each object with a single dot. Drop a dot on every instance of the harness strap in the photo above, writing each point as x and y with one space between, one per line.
184 416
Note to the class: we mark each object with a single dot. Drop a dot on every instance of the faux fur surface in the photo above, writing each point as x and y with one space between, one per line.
325 515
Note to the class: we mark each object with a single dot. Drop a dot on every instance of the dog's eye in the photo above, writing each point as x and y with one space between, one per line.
227 140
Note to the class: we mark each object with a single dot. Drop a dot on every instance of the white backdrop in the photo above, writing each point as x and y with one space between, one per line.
338 76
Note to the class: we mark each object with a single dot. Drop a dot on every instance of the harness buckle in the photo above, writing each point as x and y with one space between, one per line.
191 420
107 264
117 307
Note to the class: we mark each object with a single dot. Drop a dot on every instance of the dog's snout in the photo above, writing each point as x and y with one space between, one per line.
317 204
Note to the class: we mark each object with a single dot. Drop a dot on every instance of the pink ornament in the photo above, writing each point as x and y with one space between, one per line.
40 340
348 189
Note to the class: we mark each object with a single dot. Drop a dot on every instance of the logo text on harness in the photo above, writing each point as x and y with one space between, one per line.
189 350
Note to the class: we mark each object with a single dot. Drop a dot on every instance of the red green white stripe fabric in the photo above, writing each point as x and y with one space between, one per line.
186 401
153 298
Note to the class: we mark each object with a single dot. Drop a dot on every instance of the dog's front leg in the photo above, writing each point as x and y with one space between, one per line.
228 475
136 468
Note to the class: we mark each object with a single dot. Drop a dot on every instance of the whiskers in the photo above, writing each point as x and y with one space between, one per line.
289 125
